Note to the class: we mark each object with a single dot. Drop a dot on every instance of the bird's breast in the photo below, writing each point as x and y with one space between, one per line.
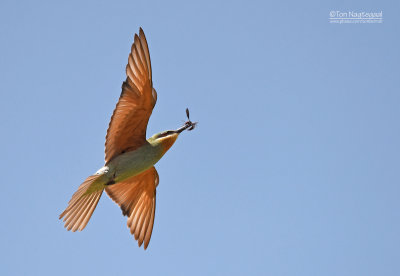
134 162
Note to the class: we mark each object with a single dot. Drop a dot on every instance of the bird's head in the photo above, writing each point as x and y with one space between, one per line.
168 138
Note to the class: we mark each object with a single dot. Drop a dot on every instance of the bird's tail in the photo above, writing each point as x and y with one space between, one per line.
83 202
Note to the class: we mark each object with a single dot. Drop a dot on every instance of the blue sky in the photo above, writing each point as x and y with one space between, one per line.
293 169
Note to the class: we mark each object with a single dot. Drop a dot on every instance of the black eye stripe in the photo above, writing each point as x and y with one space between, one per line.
165 133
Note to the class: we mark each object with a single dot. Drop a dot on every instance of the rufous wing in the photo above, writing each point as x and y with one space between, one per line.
127 128
137 198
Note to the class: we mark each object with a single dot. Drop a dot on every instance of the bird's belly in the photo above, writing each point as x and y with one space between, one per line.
134 162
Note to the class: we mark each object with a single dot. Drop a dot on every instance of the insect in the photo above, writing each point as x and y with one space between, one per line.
189 123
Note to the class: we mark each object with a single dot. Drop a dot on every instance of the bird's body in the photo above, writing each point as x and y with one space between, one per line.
131 163
128 176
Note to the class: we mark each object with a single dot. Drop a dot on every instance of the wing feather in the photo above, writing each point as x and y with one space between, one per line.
149 229
137 198
128 124
143 43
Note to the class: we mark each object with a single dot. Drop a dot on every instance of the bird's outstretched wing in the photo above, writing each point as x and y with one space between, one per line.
137 198
127 129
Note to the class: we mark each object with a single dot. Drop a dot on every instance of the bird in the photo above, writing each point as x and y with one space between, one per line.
128 176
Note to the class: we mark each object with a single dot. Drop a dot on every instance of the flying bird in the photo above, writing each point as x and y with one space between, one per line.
128 176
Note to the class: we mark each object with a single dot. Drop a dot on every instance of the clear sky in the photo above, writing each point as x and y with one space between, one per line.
293 169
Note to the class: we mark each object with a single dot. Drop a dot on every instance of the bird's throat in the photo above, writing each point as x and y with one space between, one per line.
168 141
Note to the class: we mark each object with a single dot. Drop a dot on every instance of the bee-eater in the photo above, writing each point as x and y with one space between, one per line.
128 176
